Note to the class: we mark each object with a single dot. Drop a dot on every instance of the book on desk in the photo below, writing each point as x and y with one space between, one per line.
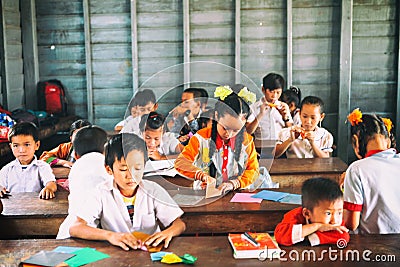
245 249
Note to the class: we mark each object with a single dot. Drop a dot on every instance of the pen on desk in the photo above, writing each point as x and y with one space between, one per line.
249 238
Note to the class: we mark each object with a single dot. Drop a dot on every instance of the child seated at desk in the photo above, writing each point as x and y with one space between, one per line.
223 151
292 97
128 203
143 103
320 218
159 143
87 172
306 140
64 155
371 184
26 173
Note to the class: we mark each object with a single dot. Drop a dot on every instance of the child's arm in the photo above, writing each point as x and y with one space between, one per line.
329 234
284 110
57 156
48 191
252 126
316 149
184 163
352 219
281 148
177 227
1 206
80 229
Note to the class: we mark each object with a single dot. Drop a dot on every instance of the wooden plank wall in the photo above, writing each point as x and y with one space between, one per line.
60 26
13 79
263 41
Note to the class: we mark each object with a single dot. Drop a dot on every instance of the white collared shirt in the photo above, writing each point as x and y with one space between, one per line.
270 124
301 148
33 178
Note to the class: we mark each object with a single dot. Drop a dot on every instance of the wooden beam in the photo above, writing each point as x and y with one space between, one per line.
88 55
237 42
397 121
3 57
30 52
186 44
134 47
345 78
289 42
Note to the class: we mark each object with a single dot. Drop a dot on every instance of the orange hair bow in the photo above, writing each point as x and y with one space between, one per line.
355 117
388 123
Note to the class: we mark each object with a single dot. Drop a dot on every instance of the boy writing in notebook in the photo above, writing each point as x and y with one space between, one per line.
128 203
26 173
320 219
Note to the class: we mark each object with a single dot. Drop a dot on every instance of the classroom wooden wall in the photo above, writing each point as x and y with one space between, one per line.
106 50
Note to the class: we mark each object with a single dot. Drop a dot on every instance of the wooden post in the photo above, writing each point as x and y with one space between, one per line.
30 52
186 44
88 54
289 41
3 49
237 43
345 78
134 40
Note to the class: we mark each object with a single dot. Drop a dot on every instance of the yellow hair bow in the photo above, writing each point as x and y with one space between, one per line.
247 95
222 92
388 123
355 117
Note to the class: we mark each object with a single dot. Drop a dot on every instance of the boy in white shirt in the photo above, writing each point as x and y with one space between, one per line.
26 173
269 115
128 203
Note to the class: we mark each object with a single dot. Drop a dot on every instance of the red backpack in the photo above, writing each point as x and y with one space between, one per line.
51 97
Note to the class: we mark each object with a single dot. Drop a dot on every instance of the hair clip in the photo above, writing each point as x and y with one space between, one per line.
355 117
388 123
247 95
222 92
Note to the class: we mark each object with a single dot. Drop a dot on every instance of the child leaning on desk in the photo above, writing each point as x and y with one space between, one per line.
223 151
320 218
64 155
127 203
371 184
26 173
306 140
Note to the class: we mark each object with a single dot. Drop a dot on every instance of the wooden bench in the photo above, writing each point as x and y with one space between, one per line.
216 251
62 125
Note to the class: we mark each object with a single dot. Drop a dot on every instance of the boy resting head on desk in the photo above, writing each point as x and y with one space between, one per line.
320 218
128 203
26 173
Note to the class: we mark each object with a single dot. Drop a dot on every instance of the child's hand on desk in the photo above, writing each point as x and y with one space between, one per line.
65 163
48 191
3 192
332 227
156 238
124 240
154 154
226 187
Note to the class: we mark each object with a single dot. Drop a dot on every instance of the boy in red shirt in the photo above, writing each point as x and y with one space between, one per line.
320 218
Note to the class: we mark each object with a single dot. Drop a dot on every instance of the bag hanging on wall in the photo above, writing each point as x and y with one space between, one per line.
51 97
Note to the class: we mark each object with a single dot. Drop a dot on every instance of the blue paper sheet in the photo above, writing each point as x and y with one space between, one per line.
157 256
270 195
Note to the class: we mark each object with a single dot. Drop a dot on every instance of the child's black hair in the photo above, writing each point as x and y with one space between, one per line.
234 106
293 94
24 128
203 96
151 121
313 100
319 189
142 98
197 93
205 117
371 124
89 139
120 145
273 81
77 125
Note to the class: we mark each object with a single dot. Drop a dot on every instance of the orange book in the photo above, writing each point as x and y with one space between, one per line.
245 249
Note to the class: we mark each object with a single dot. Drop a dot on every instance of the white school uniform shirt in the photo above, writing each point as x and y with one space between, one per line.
86 173
372 184
31 179
168 144
270 124
132 126
301 148
123 122
105 206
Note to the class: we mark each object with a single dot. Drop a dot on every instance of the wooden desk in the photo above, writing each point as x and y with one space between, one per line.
293 172
27 216
216 251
